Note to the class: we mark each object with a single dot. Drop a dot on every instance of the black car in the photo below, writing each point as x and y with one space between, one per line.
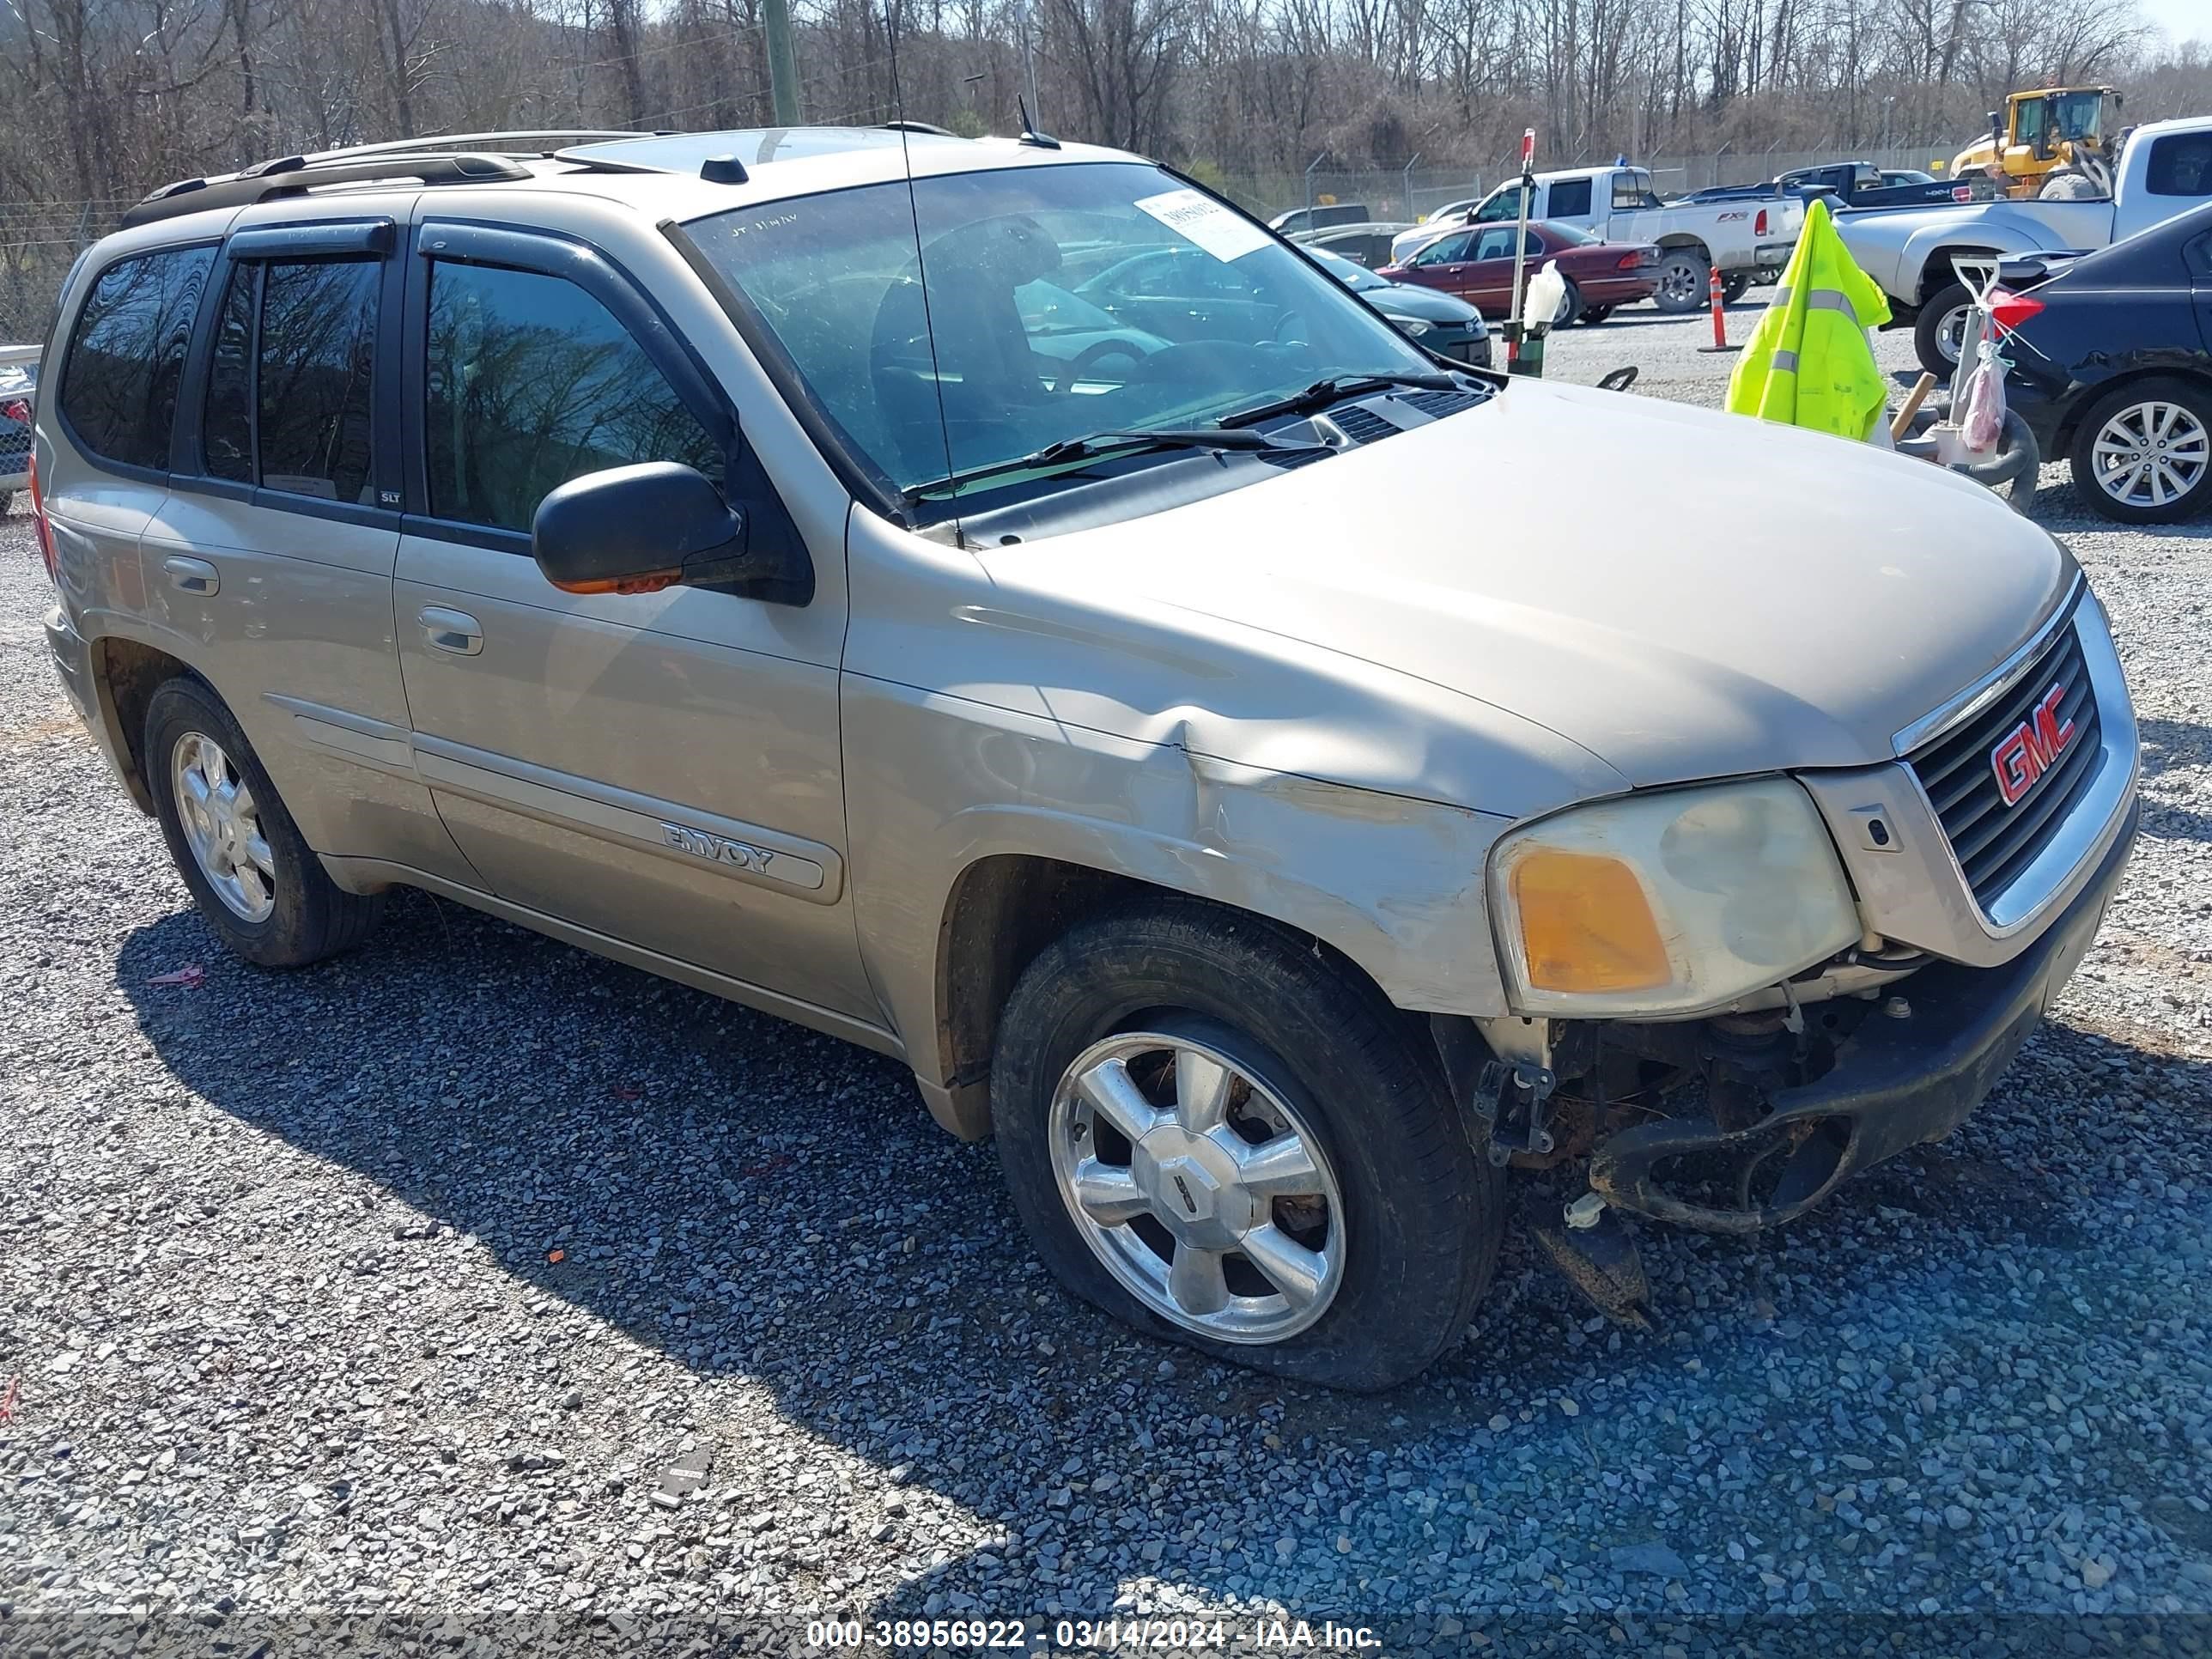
1440 323
2111 369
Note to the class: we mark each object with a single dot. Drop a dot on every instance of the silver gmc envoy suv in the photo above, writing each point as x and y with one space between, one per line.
989 600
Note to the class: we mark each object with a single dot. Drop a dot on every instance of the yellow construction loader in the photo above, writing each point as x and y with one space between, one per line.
2039 133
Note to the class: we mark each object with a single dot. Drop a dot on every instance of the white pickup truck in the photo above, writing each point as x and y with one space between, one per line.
2164 169
1749 238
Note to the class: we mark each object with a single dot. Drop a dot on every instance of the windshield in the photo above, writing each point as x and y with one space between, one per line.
2078 114
1351 273
1062 302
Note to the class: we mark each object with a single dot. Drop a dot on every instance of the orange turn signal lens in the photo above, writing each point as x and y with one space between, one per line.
1585 924
652 582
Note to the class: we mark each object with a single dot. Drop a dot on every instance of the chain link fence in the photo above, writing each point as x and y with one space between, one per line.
38 241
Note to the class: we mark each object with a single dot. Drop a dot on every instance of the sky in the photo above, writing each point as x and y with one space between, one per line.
2182 19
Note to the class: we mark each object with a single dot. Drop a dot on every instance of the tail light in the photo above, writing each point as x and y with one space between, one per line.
38 518
2010 310
1962 192
1759 225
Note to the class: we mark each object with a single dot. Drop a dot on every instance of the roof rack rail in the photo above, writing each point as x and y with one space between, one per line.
530 140
292 175
929 127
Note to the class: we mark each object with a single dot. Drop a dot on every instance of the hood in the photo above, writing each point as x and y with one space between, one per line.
1680 593
1423 303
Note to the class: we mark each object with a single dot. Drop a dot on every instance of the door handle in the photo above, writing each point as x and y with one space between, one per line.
451 631
192 575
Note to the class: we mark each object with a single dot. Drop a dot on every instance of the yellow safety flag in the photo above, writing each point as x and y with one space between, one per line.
1809 363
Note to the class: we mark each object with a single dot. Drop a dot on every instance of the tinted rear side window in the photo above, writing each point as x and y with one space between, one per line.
2179 165
1570 198
290 383
226 431
317 362
533 382
118 390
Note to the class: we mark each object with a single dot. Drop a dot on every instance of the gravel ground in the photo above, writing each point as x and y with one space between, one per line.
469 1279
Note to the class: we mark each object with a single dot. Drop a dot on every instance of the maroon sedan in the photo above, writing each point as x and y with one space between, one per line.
1476 263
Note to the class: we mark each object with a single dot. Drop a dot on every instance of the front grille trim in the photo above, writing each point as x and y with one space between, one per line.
1995 683
1993 845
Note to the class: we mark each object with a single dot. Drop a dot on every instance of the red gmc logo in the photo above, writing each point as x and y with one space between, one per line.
2029 748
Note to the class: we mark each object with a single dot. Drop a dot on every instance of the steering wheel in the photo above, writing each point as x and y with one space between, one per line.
1091 355
1290 328
1201 359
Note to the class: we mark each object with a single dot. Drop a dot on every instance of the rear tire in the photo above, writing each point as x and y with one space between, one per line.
1571 306
2135 419
1685 281
1935 330
1418 1216
1733 287
257 882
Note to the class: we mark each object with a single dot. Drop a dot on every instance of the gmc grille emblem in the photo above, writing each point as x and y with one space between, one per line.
2031 748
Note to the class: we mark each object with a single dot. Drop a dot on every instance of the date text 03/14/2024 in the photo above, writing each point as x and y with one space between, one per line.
1106 1635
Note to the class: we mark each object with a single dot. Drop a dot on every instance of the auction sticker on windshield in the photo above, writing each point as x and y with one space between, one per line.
1206 222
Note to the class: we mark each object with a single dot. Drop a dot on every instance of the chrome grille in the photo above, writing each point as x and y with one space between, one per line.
1992 842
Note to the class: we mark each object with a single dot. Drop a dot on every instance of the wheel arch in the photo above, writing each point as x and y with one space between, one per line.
125 674
2078 409
1940 269
1682 239
1000 913
1394 886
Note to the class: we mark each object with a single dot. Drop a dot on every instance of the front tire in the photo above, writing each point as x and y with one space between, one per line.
1226 1137
1593 315
1937 329
2142 453
257 884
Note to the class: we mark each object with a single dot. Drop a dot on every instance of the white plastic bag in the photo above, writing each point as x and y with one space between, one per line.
1546 290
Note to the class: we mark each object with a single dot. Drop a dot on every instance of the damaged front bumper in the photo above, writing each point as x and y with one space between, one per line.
1896 1082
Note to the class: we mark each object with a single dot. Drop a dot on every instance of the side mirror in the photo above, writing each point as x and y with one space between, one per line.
1996 129
639 529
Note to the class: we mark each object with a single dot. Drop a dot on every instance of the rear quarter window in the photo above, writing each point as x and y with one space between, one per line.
1571 199
2179 164
127 355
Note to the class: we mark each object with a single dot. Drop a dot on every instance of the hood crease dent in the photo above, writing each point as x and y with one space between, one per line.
1732 597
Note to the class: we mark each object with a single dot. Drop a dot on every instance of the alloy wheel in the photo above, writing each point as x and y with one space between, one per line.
1203 1191
2151 454
222 826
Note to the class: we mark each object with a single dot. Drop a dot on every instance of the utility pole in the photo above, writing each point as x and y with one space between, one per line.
782 69
1028 56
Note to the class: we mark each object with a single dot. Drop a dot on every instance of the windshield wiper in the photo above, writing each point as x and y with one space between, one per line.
1321 393
1108 443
